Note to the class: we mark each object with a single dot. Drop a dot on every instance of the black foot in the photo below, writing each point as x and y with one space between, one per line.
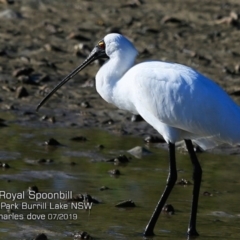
148 233
192 232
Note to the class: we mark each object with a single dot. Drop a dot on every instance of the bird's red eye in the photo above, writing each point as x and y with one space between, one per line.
101 44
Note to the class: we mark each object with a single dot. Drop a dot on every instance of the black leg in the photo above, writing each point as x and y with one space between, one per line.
172 177
197 177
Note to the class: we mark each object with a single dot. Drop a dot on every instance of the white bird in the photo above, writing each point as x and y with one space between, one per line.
179 102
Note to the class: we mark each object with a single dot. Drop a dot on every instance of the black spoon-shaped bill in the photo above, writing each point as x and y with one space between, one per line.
97 52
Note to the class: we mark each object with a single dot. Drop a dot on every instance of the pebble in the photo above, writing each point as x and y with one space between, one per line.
100 147
207 194
139 152
33 188
52 142
10 14
52 28
133 4
85 104
119 159
4 165
103 188
7 1
89 198
83 198
79 139
2 123
114 172
232 19
128 203
22 71
170 19
153 139
78 37
44 161
47 118
21 92
168 208
184 182
136 118
41 236
108 122
81 235
49 47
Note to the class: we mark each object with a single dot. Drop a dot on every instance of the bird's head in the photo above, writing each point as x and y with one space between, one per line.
111 46
116 45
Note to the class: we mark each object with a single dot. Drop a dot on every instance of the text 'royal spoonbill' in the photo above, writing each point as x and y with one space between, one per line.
179 102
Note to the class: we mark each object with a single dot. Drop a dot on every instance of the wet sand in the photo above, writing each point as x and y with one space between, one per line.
42 41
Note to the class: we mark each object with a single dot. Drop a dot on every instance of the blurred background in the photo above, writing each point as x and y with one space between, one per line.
41 41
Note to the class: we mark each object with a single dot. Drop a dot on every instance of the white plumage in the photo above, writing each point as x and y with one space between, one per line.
177 101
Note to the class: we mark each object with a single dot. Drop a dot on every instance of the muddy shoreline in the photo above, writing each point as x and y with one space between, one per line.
42 41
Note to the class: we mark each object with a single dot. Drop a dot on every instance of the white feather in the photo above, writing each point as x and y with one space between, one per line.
177 101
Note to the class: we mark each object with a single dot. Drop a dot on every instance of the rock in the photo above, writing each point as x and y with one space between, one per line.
168 208
7 1
21 92
133 4
153 139
168 19
232 19
47 118
81 235
136 118
79 139
77 198
8 89
119 159
52 28
49 47
207 194
103 188
22 71
85 104
88 83
115 172
44 161
10 14
100 147
138 151
52 142
108 122
4 165
2 123
33 189
83 198
90 199
78 37
124 204
41 236
184 182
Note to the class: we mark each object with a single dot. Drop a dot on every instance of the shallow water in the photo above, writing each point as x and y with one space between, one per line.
141 180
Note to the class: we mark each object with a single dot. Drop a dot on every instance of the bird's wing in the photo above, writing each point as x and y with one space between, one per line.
182 98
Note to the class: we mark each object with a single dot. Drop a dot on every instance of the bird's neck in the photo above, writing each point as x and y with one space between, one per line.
110 74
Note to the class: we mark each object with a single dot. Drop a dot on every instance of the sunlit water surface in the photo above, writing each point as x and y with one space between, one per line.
141 180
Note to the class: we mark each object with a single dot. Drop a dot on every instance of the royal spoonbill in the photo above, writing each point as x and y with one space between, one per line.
179 102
